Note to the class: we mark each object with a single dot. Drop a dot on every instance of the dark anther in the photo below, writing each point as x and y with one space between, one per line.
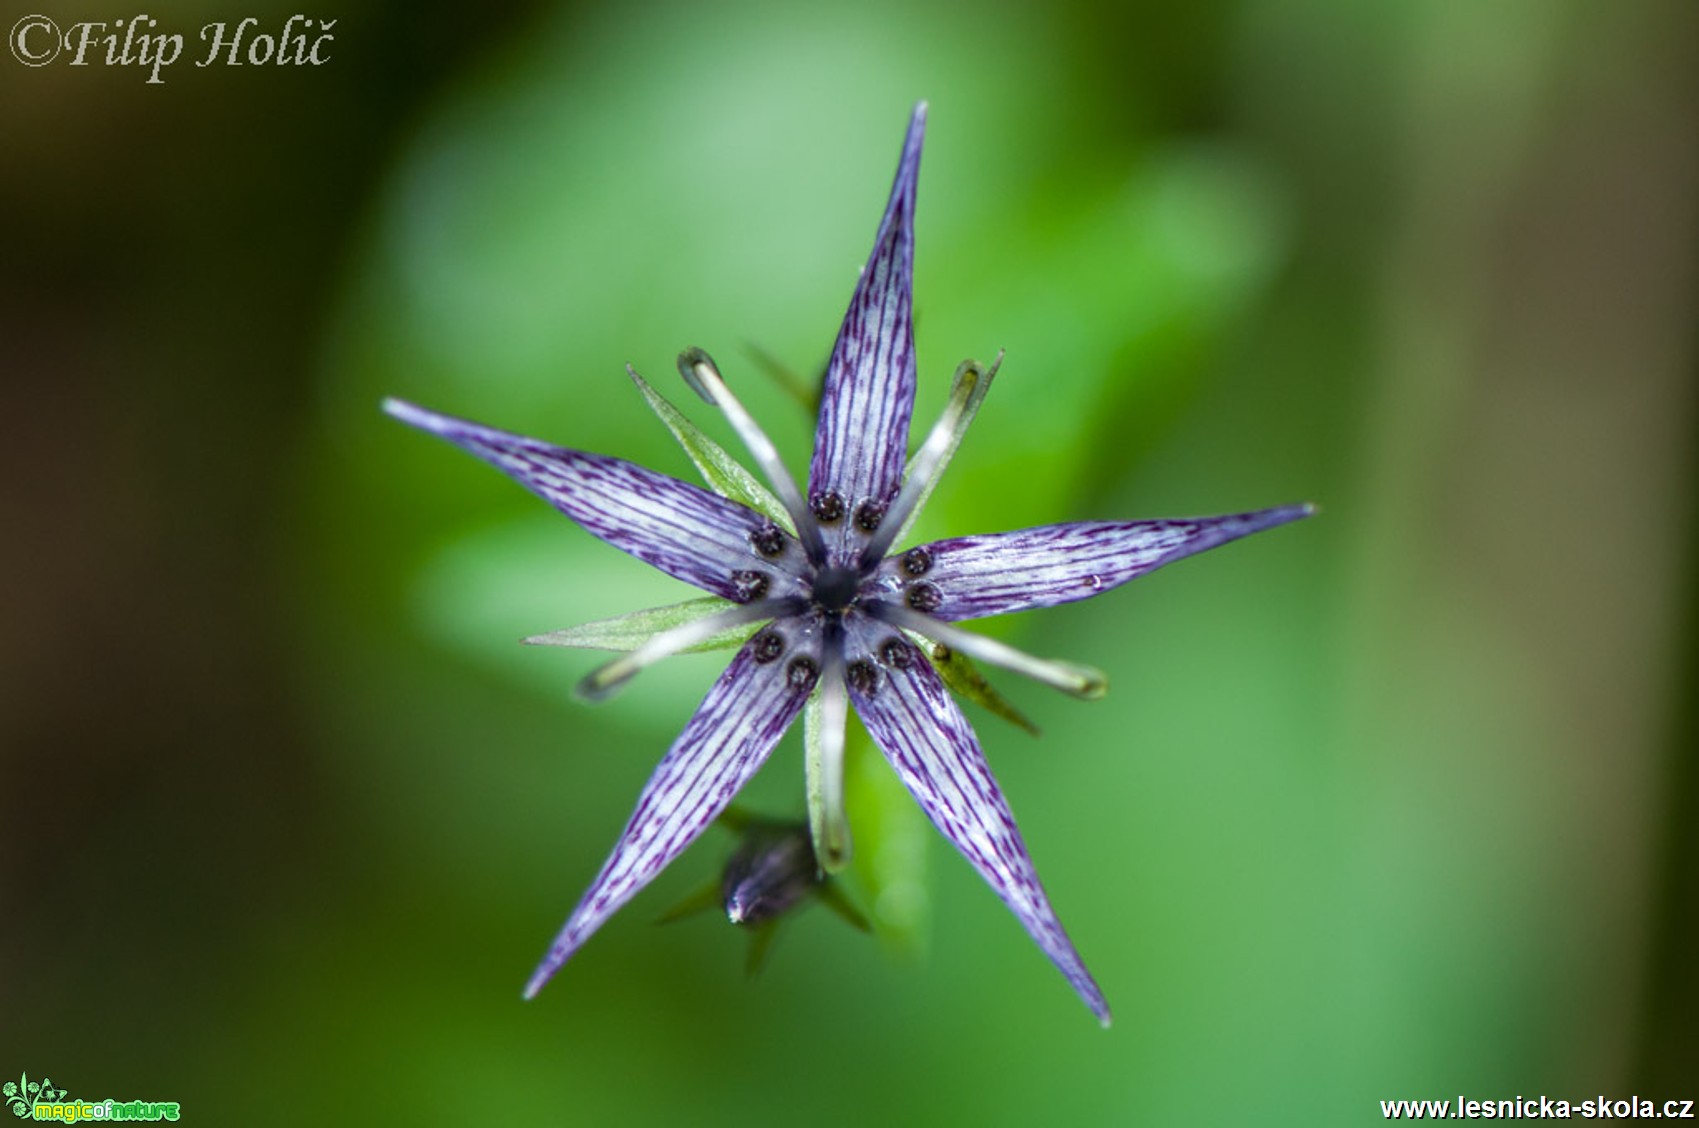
749 585
862 676
925 597
896 653
768 645
917 562
768 540
868 515
802 673
828 507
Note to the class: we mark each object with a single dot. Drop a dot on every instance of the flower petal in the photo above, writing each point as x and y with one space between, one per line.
744 715
1003 572
868 398
916 723
683 530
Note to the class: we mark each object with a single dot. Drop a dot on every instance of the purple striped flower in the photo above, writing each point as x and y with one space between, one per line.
823 612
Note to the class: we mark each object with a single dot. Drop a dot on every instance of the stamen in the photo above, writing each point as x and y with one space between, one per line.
769 646
802 673
823 765
828 507
862 676
1080 681
768 540
924 597
601 682
896 653
868 515
750 585
700 372
966 394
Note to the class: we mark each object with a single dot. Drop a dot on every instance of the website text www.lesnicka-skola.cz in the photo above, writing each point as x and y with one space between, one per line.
1539 1108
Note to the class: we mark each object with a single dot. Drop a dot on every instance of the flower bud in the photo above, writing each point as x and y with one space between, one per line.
772 872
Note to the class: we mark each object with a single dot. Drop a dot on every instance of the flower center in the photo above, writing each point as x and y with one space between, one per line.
835 588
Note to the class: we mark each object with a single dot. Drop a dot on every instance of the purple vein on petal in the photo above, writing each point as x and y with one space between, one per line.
735 728
917 725
862 437
683 530
1054 564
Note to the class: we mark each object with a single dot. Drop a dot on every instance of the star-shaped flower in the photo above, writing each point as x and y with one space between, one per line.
844 619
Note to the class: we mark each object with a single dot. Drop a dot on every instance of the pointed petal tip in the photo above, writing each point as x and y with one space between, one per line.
404 411
423 418
1092 996
1280 515
909 167
903 184
544 972
1262 519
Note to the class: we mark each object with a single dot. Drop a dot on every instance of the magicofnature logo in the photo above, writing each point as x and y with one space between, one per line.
23 1093
40 1100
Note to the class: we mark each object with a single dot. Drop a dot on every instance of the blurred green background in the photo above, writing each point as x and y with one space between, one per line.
1397 802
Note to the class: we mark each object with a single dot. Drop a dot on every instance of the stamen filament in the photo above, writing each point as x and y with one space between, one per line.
1069 677
601 682
967 392
828 712
703 376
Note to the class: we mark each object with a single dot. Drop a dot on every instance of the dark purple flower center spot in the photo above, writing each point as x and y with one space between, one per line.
862 676
768 540
868 515
802 673
835 589
767 646
749 585
896 653
925 597
828 508
917 562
